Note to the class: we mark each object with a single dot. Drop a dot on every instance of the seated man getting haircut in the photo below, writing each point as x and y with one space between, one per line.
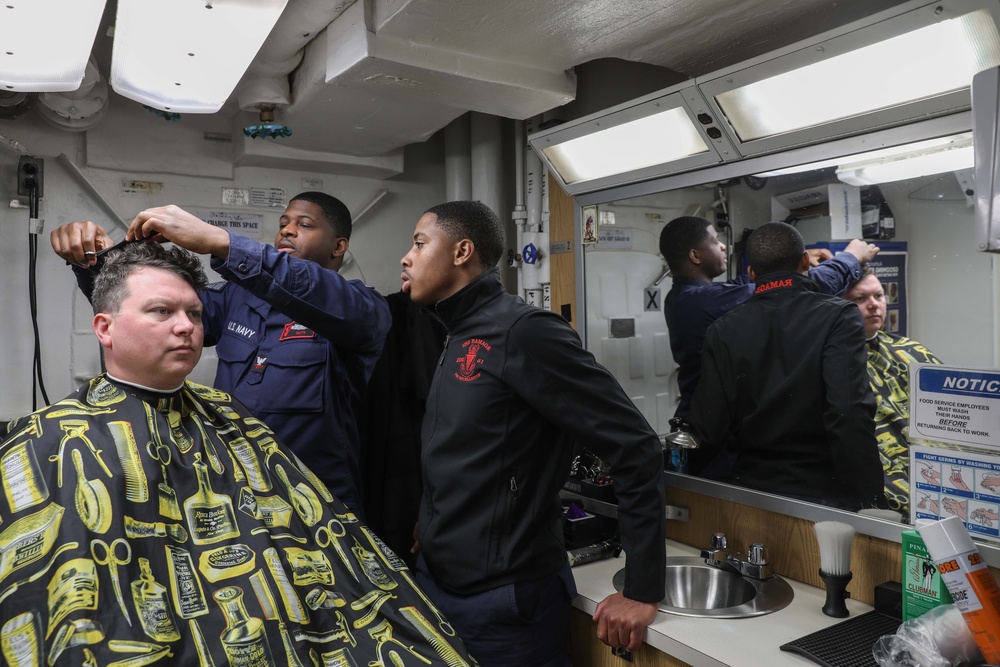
148 517
889 359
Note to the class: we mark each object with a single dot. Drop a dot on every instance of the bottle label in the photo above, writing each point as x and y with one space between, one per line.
189 599
211 524
957 574
247 654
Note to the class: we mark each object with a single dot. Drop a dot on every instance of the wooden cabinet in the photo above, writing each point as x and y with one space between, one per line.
586 650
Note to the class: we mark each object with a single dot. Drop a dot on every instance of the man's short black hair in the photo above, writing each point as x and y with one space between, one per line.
679 237
475 221
774 246
334 210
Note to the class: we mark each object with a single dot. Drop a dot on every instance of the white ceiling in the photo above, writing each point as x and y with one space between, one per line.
360 79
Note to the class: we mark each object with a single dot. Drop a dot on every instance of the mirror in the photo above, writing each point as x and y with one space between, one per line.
948 286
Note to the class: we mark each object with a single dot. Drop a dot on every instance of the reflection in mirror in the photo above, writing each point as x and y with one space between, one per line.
945 296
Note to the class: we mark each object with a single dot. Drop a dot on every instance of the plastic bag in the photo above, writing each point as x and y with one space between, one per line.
938 638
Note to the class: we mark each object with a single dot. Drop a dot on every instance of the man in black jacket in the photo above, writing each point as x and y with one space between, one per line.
784 385
513 391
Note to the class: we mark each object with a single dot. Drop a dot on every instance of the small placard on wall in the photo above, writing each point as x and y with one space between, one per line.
614 239
250 225
269 197
235 197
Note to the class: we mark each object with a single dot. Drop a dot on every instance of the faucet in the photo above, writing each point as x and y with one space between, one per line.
756 565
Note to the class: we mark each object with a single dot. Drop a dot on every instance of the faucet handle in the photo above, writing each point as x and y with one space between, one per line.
718 541
757 554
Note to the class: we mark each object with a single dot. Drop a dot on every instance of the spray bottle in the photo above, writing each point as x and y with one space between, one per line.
968 579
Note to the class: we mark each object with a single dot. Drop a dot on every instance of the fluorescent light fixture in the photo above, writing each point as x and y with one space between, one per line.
925 160
45 44
920 64
870 156
186 56
662 137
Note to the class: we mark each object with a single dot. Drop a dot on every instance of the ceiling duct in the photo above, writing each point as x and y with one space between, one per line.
266 82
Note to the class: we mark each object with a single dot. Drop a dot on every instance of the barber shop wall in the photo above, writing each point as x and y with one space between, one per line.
74 190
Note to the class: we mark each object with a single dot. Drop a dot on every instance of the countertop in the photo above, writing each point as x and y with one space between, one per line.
720 642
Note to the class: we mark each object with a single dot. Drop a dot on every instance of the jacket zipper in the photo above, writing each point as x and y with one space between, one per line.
505 524
447 339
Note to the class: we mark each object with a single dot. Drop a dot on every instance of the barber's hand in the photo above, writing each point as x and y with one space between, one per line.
622 621
174 224
817 255
863 250
79 242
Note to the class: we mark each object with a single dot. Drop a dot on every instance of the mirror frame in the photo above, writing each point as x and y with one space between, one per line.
937 127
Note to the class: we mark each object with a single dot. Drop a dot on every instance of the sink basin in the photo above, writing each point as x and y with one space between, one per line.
695 588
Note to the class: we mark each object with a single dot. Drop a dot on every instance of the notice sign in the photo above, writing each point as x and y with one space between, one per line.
960 405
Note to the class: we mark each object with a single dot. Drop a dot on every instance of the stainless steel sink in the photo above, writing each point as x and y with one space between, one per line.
695 588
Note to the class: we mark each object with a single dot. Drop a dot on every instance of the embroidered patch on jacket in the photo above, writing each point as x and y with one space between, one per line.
468 363
774 284
241 330
294 331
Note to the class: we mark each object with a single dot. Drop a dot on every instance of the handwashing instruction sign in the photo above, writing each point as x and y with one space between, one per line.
945 482
959 405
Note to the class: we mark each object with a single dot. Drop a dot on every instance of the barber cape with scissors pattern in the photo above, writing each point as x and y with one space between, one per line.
138 527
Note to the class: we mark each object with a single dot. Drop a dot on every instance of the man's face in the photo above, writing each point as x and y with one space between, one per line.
156 338
867 293
304 232
712 253
429 271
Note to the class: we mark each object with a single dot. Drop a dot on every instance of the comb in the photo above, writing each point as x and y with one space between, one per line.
264 596
136 486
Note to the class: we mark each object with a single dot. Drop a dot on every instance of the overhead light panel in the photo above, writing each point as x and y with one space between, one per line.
662 133
871 156
45 44
186 56
663 137
901 69
953 154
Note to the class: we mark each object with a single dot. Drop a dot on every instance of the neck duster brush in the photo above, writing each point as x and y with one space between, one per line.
835 539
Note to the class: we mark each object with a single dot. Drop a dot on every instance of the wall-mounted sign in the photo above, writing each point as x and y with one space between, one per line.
959 405
250 225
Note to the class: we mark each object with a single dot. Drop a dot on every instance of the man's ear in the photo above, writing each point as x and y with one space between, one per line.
804 263
693 256
464 251
340 247
752 273
102 328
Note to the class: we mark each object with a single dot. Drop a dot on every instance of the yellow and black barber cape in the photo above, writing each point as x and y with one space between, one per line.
889 359
138 527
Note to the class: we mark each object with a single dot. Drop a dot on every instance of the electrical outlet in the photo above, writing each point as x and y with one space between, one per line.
30 175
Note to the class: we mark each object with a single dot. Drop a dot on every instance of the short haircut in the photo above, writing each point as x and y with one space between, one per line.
111 284
475 221
865 272
774 246
679 237
334 210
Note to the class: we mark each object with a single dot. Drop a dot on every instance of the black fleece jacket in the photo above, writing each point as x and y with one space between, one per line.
513 391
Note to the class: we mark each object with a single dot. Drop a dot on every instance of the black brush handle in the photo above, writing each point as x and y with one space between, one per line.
836 593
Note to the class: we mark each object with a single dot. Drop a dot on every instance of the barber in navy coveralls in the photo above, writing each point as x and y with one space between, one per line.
296 341
513 391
